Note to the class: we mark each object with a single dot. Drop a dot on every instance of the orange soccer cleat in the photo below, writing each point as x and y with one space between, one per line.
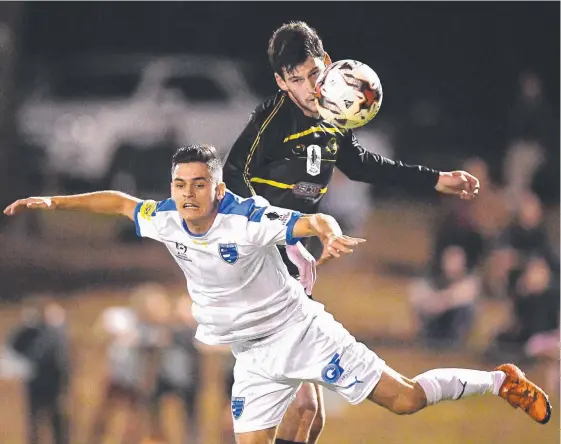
520 392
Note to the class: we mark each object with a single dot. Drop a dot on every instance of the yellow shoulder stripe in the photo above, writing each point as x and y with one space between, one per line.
313 129
256 142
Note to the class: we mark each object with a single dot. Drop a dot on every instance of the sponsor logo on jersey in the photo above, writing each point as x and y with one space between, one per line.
332 372
229 253
282 218
306 189
355 382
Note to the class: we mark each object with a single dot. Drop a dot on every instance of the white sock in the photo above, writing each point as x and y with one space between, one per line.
456 383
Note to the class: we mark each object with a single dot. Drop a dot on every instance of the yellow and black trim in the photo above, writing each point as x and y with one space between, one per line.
284 186
256 142
313 129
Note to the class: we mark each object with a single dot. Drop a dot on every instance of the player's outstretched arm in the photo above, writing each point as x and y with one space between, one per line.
326 228
363 166
101 202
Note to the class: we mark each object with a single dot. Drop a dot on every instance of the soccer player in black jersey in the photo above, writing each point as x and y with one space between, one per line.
287 154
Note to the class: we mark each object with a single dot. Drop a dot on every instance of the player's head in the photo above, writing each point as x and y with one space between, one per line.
196 181
297 57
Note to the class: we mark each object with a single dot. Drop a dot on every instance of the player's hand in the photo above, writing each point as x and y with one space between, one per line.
31 203
306 264
336 245
460 183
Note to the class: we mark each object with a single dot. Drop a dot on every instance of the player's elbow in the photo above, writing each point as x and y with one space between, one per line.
128 207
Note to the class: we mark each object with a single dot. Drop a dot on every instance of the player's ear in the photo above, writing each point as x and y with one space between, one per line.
280 82
220 190
327 59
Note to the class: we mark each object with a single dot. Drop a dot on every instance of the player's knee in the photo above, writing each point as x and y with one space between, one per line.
319 422
409 401
306 405
405 407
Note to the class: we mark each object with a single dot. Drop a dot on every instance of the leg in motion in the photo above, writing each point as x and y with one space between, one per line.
404 396
319 420
298 419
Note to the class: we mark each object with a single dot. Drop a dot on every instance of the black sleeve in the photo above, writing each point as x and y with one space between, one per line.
363 166
21 340
242 159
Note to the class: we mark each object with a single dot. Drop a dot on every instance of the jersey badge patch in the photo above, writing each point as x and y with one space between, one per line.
237 407
229 253
147 209
313 163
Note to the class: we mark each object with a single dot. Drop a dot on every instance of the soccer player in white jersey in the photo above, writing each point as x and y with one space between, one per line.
243 295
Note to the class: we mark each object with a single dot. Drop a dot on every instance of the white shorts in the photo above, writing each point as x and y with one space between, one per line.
269 371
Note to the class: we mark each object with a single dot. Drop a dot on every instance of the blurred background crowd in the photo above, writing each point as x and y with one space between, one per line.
97 336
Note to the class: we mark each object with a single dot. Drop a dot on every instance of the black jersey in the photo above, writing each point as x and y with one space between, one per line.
288 158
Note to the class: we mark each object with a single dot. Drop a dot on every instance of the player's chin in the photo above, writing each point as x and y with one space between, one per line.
192 213
312 106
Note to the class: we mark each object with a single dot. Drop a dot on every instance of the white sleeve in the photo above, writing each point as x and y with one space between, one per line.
271 225
144 219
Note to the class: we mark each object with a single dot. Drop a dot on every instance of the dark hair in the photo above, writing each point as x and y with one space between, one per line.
292 44
199 153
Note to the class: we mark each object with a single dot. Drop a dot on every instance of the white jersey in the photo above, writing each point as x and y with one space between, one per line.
240 287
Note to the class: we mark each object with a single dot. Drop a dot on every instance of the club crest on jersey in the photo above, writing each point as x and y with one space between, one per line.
332 146
237 407
229 252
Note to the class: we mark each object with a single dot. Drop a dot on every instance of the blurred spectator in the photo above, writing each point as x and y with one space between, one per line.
473 225
179 372
524 236
527 234
42 341
535 309
488 214
134 337
496 273
544 347
533 136
444 304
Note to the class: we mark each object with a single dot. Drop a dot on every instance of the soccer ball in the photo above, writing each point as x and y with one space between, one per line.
348 94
